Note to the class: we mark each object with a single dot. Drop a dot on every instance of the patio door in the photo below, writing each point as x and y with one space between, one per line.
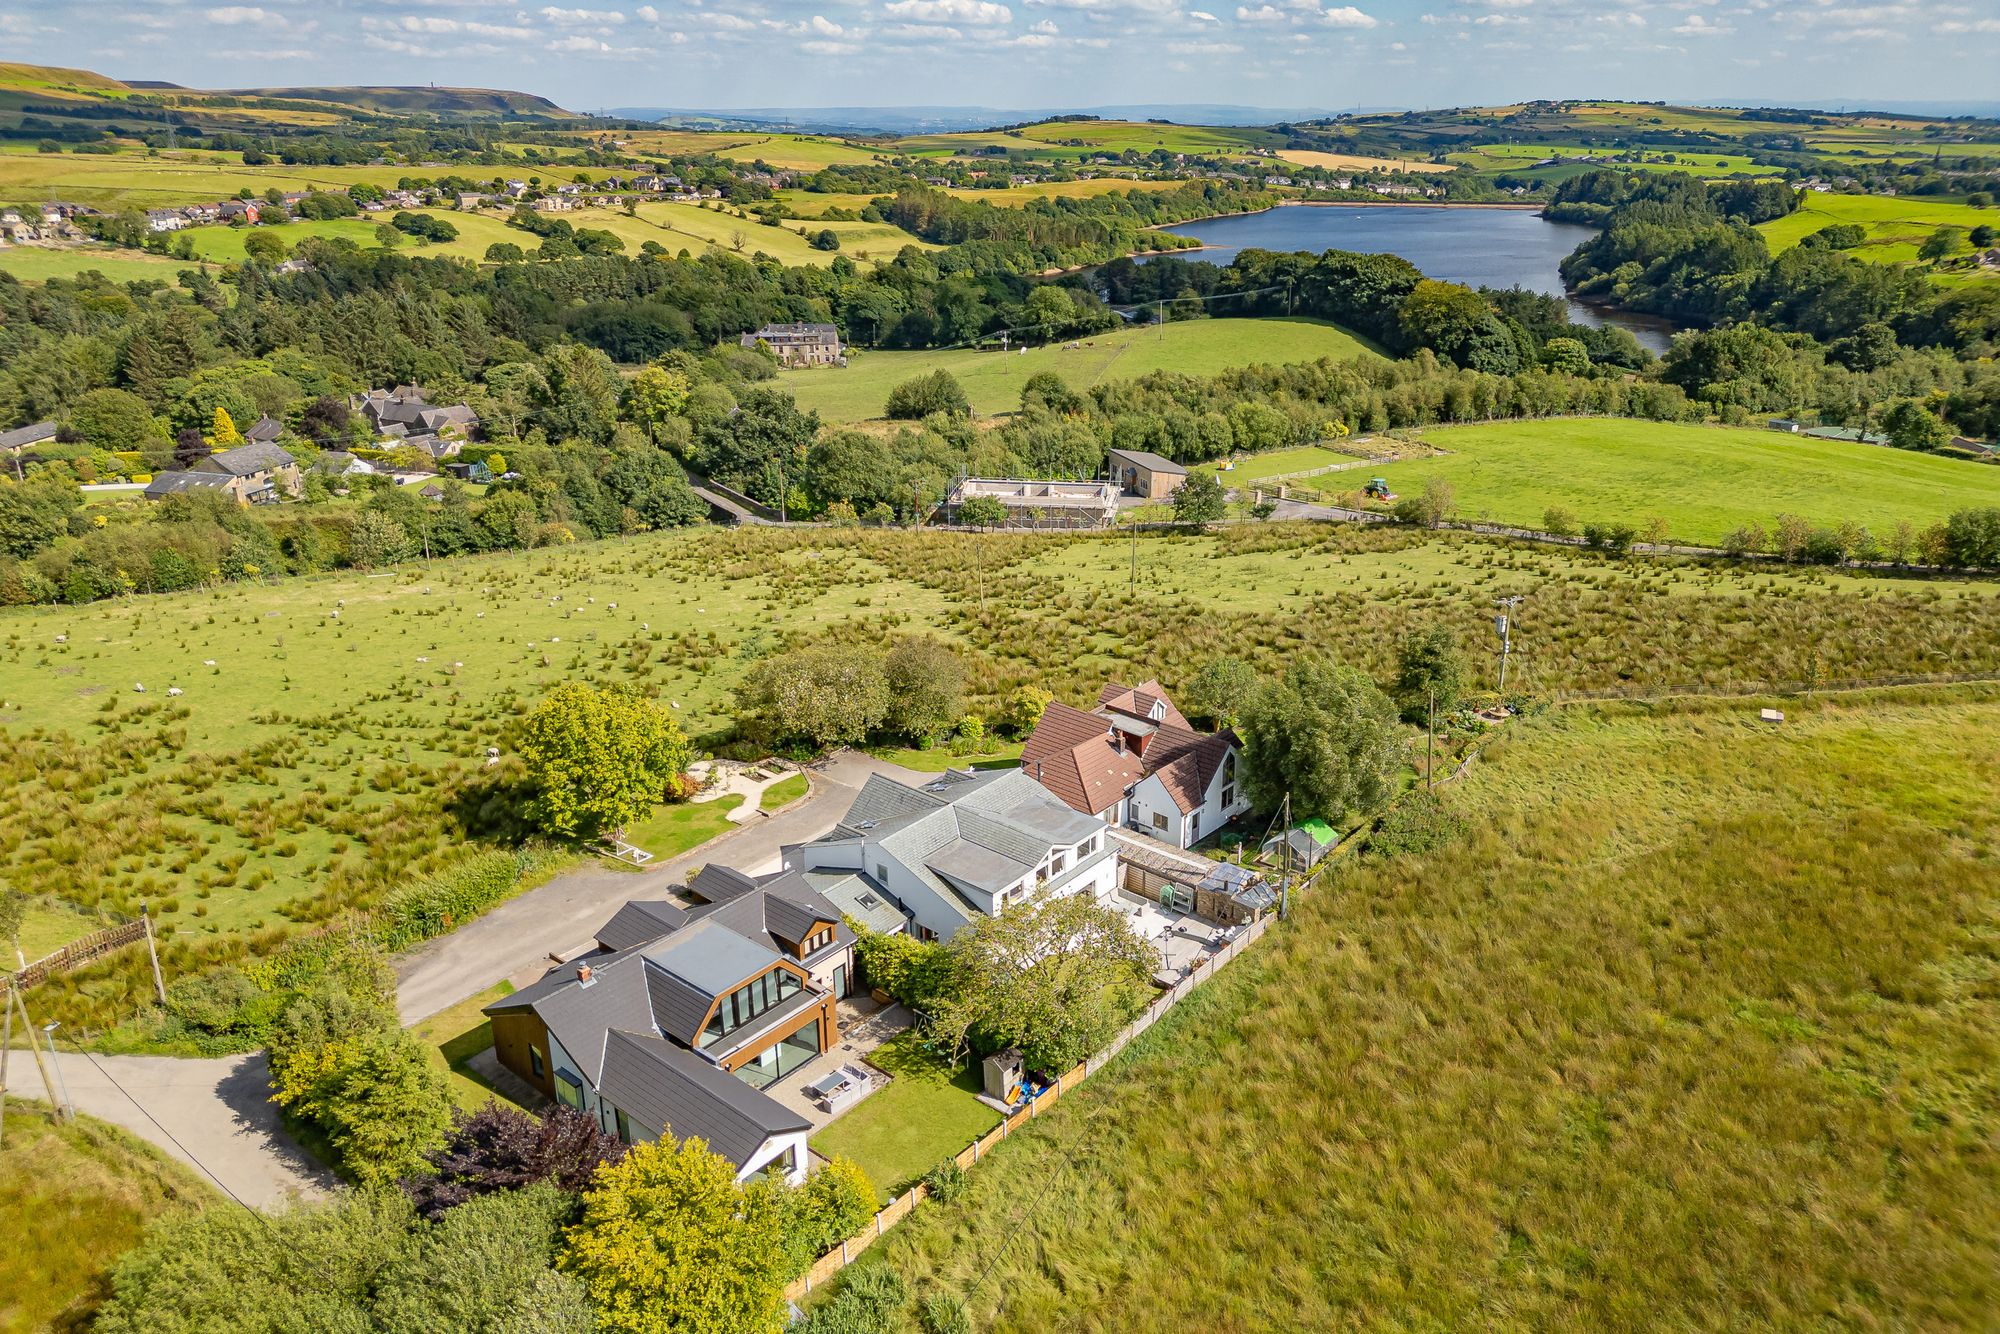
840 980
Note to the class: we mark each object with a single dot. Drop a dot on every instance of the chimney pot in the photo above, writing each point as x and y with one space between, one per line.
583 974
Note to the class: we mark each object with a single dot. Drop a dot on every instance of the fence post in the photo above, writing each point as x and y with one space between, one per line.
152 952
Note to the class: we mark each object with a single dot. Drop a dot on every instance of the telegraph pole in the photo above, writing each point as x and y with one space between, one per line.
1504 626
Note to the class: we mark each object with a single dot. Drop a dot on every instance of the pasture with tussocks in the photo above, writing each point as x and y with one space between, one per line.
72 1199
1703 481
993 379
1732 1063
325 759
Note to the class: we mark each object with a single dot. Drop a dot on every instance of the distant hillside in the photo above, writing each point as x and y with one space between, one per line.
406 101
52 81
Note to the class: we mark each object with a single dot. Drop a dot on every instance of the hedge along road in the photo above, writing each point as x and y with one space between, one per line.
516 939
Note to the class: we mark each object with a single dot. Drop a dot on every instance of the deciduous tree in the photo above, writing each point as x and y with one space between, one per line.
1220 689
819 698
1199 500
1325 735
926 683
598 759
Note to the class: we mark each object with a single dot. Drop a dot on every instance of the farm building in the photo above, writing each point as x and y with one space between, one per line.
1038 504
1145 474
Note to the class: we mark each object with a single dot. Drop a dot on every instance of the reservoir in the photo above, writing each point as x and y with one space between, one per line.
1480 247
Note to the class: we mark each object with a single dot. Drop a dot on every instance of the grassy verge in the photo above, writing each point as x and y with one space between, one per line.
680 826
1694 1027
72 1199
452 1037
926 1114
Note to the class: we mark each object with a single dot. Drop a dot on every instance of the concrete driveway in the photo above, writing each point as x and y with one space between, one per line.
215 1115
515 940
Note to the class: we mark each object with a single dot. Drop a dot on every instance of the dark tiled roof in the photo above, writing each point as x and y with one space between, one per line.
640 921
1148 460
27 435
672 1091
171 483
246 460
264 430
719 884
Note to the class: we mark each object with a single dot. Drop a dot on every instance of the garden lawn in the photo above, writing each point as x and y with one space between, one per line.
452 1037
993 380
1694 1027
72 1199
926 1115
1704 481
937 759
783 792
680 826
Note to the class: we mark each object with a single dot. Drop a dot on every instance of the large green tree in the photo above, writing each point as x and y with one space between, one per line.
1220 689
926 683
1200 499
1430 672
820 697
1324 735
598 758
1055 976
670 1244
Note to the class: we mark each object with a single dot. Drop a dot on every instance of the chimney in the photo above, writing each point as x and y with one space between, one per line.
583 971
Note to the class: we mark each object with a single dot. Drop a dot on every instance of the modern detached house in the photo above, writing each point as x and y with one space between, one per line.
1135 761
961 845
682 1015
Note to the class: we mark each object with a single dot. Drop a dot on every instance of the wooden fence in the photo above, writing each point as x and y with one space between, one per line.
896 1210
77 953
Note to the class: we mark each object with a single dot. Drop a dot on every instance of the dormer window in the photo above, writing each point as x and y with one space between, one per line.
817 941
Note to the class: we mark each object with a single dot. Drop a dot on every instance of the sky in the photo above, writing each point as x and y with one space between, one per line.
718 54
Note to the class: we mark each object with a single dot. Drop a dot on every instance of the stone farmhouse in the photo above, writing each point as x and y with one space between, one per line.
800 344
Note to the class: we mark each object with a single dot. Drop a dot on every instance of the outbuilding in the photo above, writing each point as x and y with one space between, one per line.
1146 474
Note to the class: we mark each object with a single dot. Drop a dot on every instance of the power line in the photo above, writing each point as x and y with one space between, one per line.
174 1139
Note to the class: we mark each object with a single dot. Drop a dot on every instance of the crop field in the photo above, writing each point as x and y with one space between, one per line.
1895 227
1306 157
1730 1065
1079 139
334 748
72 1199
993 380
1702 481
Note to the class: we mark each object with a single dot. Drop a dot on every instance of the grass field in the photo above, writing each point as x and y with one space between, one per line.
993 380
34 264
1520 158
72 1198
1281 463
1895 227
677 827
1079 139
926 1115
1703 481
453 1036
47 928
325 759
1306 157
1730 1065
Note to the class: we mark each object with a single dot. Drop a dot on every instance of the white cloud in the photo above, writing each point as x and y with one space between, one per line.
647 14
726 22
824 26
233 15
1500 20
1977 25
1202 16
578 43
1045 28
1261 14
922 32
949 11
555 15
1347 16
831 48
1697 26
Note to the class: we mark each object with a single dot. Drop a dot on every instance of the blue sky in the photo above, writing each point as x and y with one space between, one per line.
1036 53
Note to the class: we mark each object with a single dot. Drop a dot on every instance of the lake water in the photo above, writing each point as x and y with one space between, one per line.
1480 247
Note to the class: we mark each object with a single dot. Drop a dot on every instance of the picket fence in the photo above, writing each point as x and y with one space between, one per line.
896 1210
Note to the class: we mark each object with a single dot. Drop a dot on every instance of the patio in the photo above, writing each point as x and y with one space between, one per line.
864 1026
1180 937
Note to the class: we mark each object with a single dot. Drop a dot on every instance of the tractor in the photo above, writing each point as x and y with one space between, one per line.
1378 489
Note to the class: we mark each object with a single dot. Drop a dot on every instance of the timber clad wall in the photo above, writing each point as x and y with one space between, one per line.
513 1034
829 1035
899 1208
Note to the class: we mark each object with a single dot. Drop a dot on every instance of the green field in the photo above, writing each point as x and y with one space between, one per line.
1284 463
1519 159
72 1199
34 264
326 759
1693 1028
993 380
1704 481
1895 226
1079 139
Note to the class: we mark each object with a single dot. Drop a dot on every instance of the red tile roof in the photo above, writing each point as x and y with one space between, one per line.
1138 701
1071 755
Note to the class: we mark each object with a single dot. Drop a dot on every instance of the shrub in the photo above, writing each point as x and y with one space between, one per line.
915 399
440 902
1558 522
834 1203
223 1002
500 1148
943 1313
947 1181
870 1301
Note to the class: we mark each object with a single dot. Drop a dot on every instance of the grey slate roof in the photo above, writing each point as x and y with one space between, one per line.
719 884
172 483
22 436
671 1091
247 460
640 921
858 897
579 1016
264 430
1150 461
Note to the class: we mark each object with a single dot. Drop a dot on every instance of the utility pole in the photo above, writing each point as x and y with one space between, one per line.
1132 581
19 1002
1285 834
153 953
1431 727
1504 626
67 1109
6 1045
